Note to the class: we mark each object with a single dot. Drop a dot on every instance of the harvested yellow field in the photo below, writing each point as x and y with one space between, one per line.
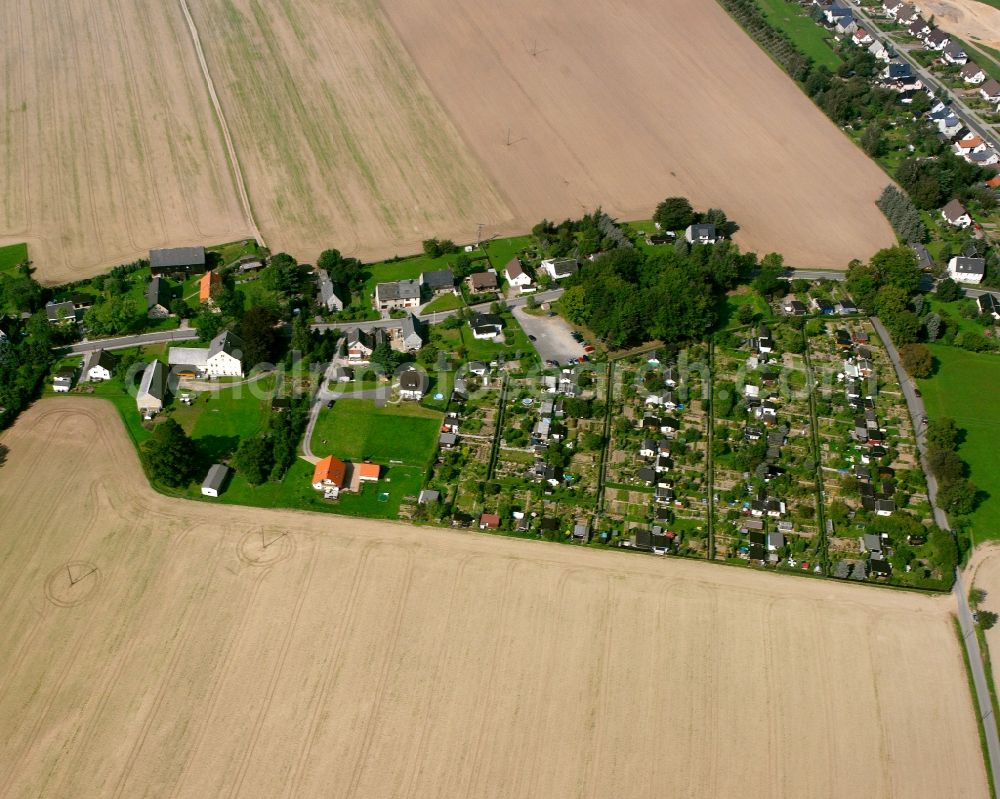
984 572
622 104
109 143
341 142
157 647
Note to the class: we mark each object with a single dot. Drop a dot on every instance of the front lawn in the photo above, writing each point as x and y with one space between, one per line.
354 429
12 256
446 302
964 388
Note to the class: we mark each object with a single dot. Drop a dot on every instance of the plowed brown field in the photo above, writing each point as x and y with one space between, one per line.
157 647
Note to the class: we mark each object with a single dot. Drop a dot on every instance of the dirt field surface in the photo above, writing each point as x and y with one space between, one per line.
109 145
157 647
621 104
341 142
968 19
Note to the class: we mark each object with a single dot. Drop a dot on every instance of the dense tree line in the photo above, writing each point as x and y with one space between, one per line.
932 182
902 215
269 455
628 296
25 360
751 18
580 238
956 494
885 287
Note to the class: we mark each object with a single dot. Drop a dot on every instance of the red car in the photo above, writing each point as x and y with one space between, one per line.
588 349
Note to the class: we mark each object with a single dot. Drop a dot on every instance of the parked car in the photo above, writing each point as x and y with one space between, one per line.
588 349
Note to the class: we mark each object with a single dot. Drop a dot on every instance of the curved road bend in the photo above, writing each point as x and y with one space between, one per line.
918 415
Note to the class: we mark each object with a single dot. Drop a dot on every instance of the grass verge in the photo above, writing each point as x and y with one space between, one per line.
975 704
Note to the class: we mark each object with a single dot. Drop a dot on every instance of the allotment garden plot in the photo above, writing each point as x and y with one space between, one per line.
878 517
656 476
765 491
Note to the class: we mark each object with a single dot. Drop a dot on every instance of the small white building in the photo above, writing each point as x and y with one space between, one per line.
560 269
967 270
701 234
956 215
62 382
516 276
212 486
98 365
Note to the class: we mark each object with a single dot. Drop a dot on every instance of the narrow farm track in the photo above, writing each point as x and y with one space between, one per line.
234 161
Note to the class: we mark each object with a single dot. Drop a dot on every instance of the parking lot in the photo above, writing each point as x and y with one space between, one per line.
553 337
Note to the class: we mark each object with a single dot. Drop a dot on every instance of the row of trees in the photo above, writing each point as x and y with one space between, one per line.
269 455
902 215
956 494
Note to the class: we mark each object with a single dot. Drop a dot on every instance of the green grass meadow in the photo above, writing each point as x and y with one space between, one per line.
965 388
354 429
11 256
809 37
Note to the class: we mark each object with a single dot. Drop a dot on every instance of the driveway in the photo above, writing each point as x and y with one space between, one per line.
553 336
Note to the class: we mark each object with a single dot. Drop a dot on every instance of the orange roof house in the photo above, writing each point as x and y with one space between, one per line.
329 472
367 471
994 182
489 521
209 286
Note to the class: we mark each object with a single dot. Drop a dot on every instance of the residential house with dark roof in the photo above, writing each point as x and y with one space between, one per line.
393 296
438 281
158 299
480 282
176 260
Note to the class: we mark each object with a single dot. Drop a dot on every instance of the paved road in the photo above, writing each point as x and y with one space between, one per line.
124 342
919 416
971 117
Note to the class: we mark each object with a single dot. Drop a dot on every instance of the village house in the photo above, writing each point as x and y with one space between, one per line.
327 297
222 357
98 365
972 74
486 326
955 214
180 261
407 335
329 475
954 54
412 385
367 472
990 91
158 299
560 269
360 344
937 40
862 38
989 304
515 275
214 480
394 296
152 389
59 313
439 281
963 269
209 287
62 381
880 51
479 282
970 144
703 233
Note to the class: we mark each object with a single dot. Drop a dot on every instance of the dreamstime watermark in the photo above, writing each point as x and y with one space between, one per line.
688 380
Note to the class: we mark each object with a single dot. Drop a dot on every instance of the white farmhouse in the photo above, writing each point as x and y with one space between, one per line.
967 270
222 357
955 214
516 276
559 269
98 365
